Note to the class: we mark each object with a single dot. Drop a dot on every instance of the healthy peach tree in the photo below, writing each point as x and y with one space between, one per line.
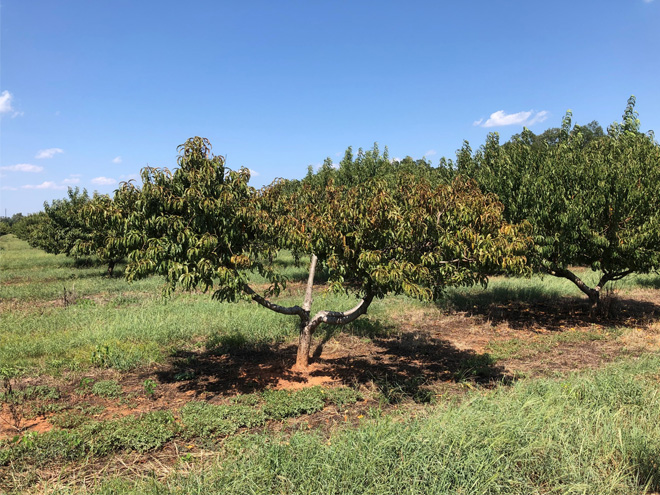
203 226
590 202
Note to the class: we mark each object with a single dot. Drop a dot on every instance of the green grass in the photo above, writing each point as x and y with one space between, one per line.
592 433
524 348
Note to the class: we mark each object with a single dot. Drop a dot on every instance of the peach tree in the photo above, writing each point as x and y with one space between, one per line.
203 226
590 202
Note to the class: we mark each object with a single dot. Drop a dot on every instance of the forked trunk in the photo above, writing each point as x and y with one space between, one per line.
592 293
307 324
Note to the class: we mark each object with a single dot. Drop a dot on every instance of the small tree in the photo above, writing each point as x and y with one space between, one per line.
65 225
203 226
591 202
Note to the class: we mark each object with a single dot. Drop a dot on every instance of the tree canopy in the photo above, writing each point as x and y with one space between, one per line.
592 201
203 226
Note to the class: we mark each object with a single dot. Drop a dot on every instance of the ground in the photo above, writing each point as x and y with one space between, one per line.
403 357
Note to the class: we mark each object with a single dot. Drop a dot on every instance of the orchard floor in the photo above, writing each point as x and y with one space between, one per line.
402 357
420 356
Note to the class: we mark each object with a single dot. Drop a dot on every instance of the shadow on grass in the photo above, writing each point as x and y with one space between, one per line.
402 365
529 308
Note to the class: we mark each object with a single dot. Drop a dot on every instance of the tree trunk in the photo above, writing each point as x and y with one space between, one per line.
594 302
592 293
304 343
111 267
306 330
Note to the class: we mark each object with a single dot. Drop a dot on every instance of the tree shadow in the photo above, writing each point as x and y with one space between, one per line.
402 365
527 308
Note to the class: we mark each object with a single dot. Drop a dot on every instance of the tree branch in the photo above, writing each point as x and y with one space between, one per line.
285 310
341 318
562 272
612 277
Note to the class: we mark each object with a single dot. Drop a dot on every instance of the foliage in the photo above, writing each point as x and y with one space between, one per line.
354 170
204 226
411 238
64 226
593 203
28 227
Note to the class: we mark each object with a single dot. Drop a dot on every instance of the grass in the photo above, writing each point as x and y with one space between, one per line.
594 432
524 348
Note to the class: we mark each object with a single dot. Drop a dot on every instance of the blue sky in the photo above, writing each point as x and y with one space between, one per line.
92 91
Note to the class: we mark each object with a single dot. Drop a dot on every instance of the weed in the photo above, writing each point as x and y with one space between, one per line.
109 389
477 366
280 404
149 387
9 395
85 385
207 420
342 396
184 375
246 399
69 419
395 391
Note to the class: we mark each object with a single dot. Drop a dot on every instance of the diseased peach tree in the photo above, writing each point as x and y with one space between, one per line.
203 226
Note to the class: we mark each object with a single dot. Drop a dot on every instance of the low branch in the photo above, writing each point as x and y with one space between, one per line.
339 317
285 310
561 272
613 277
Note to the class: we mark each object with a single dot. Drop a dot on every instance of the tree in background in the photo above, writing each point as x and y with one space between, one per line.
592 200
204 226
354 170
26 227
65 225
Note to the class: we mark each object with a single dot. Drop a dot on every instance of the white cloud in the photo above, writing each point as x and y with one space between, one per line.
5 102
501 118
43 185
8 188
103 181
71 180
253 173
22 167
48 153
75 175
430 153
117 159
